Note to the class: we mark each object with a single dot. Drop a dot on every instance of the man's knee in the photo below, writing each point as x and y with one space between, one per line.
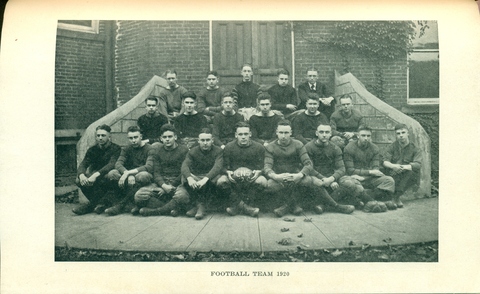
143 178
145 193
114 175
387 183
351 185
273 186
223 182
181 195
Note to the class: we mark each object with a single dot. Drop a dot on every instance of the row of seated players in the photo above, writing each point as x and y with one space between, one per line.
167 177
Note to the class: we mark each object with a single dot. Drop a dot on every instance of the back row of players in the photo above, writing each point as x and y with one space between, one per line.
240 161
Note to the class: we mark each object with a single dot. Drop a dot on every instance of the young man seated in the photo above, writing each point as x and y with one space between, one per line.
151 122
362 162
283 95
91 173
190 122
201 170
243 153
345 122
402 160
329 170
246 92
171 99
133 170
305 124
166 195
209 99
264 123
225 121
312 85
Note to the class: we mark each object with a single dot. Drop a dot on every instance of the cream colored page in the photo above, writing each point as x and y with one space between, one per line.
27 157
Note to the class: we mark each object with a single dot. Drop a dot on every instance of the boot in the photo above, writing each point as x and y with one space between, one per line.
297 210
145 211
200 211
397 201
114 210
100 208
390 205
192 212
347 209
167 208
83 209
234 209
135 210
319 209
281 211
251 211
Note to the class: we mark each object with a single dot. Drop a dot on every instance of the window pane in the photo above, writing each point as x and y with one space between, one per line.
423 77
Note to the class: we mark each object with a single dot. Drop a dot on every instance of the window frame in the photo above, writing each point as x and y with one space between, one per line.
92 29
421 101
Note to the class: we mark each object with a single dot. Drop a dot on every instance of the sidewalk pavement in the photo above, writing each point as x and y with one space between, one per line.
416 222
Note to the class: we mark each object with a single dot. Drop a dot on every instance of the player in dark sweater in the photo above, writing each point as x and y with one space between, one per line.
243 152
264 123
91 174
284 96
225 121
166 194
209 99
305 124
151 122
247 91
190 122
201 170
133 169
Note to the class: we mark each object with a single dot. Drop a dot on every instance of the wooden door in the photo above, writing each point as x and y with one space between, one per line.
264 44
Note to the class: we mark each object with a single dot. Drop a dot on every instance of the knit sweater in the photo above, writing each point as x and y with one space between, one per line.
99 160
342 123
173 98
305 126
140 158
224 127
246 93
203 163
409 154
211 98
292 158
358 160
264 127
150 126
168 164
283 95
190 125
251 156
327 159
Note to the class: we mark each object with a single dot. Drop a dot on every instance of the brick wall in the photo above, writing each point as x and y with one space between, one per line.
147 48
309 51
79 79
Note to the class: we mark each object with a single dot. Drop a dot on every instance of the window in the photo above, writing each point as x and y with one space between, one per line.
423 67
86 26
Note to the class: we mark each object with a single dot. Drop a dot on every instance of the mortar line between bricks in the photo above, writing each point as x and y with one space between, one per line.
313 223
190 244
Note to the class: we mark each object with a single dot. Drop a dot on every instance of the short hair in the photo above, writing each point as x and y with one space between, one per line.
284 122
189 94
283 71
167 128
241 124
151 98
400 127
246 64
324 124
264 96
313 96
213 73
364 128
133 129
104 127
346 96
205 131
170 71
228 94
311 69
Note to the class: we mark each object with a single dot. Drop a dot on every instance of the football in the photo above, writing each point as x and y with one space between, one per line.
242 174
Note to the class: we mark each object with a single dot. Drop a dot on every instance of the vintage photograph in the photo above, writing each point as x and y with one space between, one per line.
247 141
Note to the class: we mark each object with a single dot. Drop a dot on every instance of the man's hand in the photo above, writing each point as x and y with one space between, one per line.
291 107
397 168
202 182
192 183
230 176
348 135
334 186
406 167
357 177
256 174
265 144
297 177
158 191
168 188
327 101
92 179
328 181
376 173
83 180
223 146
131 181
123 178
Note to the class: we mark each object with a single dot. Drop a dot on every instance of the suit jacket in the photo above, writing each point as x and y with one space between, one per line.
322 92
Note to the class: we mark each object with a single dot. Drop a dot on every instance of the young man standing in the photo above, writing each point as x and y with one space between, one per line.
166 194
305 124
284 96
201 170
243 152
225 121
171 98
362 162
263 124
345 122
151 122
190 122
247 91
133 169
329 170
91 173
210 98
403 161
312 85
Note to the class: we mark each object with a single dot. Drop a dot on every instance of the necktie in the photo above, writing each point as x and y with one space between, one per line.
312 86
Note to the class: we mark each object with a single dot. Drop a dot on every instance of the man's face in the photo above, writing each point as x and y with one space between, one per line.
312 76
102 137
264 106
247 73
189 104
205 141
212 81
364 137
324 133
135 138
168 139
312 106
172 80
282 80
151 106
402 135
243 135
346 105
283 134
227 104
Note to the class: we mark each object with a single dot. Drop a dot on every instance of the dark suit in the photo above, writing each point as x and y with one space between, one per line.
322 92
